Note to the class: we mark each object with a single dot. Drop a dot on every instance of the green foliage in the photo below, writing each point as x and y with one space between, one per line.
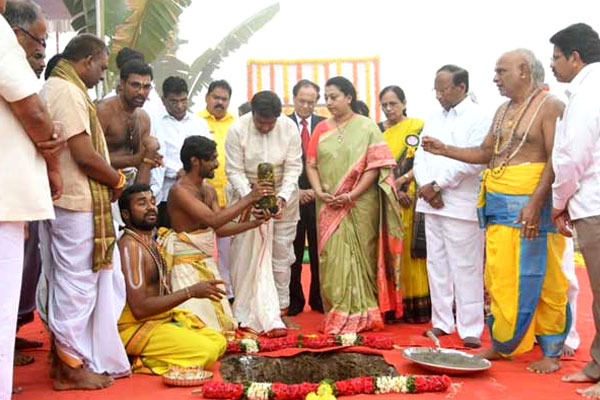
150 26
84 15
201 70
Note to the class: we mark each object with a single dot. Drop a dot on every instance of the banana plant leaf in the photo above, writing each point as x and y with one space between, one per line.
148 27
201 70
83 15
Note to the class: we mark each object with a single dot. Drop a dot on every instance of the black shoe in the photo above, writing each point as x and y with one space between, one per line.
318 309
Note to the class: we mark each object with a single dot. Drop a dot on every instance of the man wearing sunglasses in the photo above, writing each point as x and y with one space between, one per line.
127 127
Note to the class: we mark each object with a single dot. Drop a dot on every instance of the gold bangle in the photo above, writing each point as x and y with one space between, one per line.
122 181
187 292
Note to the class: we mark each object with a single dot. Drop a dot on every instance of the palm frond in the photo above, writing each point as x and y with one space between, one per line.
148 27
203 67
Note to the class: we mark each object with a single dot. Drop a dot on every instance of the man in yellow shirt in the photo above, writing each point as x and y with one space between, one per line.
218 120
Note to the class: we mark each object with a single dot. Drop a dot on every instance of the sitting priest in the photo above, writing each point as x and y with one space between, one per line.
156 334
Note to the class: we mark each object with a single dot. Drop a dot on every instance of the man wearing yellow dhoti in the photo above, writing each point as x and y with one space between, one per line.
188 248
157 335
523 275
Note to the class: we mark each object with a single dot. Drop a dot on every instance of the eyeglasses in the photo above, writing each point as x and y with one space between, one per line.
41 42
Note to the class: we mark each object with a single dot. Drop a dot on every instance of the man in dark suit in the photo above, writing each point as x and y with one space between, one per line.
306 94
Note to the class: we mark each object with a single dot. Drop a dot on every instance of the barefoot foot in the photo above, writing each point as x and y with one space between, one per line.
289 323
577 377
275 333
545 365
67 378
490 354
568 351
592 392
22 359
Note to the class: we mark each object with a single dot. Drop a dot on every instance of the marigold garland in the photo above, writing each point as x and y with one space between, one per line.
325 391
348 387
308 342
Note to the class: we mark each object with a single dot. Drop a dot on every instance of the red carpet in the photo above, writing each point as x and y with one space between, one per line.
506 380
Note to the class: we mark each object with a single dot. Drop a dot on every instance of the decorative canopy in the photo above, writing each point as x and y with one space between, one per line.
58 17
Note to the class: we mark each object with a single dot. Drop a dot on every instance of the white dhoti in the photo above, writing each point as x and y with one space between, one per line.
568 268
257 302
83 306
189 260
455 271
223 244
11 270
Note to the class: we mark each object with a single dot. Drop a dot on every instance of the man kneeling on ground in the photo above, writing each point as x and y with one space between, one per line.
195 216
157 335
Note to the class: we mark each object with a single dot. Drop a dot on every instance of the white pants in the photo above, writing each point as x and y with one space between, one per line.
568 268
284 233
455 272
223 244
11 270
83 306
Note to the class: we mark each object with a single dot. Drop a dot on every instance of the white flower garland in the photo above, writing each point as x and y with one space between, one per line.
391 384
250 345
259 391
348 339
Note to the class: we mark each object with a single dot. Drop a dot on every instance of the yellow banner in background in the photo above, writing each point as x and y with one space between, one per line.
362 71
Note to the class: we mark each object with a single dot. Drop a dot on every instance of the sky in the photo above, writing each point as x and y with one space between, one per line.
412 38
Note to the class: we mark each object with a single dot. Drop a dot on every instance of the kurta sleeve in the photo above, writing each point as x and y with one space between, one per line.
457 171
234 160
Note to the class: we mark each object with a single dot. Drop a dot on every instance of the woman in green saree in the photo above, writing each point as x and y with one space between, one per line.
401 133
359 226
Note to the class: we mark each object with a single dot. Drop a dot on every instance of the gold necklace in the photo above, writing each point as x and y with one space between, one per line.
341 132
131 120
497 134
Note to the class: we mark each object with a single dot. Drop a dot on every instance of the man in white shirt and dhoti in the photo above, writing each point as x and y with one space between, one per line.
447 196
260 259
80 262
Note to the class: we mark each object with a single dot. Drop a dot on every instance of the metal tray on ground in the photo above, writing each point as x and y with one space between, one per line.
446 361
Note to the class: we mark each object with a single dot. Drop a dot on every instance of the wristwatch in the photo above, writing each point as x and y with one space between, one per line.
436 187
